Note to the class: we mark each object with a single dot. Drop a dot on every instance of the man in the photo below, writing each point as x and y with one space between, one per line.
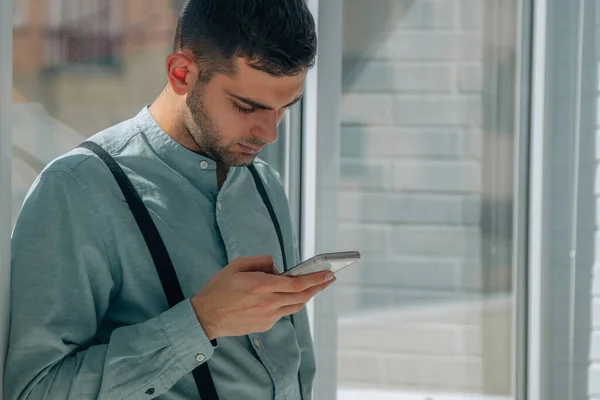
89 316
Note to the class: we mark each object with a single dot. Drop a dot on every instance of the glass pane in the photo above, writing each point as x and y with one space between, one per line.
570 308
426 195
79 67
82 66
285 156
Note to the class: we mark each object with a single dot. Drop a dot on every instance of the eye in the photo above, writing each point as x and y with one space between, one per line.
244 110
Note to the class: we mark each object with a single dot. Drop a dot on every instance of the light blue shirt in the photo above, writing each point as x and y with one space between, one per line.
89 318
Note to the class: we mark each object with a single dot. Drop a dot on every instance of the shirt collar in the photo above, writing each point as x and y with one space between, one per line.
170 150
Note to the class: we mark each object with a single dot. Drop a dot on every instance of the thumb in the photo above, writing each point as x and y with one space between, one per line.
262 263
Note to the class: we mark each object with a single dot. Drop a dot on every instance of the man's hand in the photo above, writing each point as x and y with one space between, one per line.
248 296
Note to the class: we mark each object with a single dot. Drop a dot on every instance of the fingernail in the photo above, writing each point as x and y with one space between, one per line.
329 276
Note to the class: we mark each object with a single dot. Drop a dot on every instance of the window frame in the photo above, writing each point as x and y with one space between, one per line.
536 201
321 131
561 250
6 56
320 114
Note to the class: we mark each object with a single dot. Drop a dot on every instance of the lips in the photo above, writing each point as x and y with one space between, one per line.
250 149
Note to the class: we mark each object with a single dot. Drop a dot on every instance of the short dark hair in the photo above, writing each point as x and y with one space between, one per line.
274 36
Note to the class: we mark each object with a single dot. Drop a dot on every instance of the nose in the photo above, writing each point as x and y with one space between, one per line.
265 128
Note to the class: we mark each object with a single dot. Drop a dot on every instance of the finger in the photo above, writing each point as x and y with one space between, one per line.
287 299
290 284
291 309
265 283
297 284
262 263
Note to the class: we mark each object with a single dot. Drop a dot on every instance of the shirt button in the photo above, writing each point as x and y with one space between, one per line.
204 164
199 357
256 342
219 206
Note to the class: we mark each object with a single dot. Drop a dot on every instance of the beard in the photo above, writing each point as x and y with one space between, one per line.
205 132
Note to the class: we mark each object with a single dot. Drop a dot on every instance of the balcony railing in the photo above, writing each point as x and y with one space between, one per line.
85 32
77 46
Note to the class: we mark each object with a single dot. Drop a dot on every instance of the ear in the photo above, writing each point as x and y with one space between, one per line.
181 72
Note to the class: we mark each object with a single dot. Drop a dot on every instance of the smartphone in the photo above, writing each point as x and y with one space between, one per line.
323 262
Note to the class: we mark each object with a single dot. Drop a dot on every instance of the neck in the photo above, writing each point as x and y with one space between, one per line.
167 112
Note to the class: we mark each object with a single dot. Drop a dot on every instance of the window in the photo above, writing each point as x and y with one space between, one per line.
20 13
453 142
54 112
421 139
87 33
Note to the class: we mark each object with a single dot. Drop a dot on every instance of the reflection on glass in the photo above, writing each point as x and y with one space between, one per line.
81 66
426 195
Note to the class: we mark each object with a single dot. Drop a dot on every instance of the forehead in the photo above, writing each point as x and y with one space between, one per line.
260 86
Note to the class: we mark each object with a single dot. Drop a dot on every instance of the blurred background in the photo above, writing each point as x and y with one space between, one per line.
452 142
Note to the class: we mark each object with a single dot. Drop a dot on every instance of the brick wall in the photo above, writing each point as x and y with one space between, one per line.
411 200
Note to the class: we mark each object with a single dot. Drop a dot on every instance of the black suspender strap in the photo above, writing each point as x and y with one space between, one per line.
160 256
162 260
265 197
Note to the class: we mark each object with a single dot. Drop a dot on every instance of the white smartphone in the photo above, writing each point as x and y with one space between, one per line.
323 262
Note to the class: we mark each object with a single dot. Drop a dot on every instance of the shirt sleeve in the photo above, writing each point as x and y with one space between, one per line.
61 285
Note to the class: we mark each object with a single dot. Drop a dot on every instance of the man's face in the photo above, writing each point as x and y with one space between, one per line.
232 118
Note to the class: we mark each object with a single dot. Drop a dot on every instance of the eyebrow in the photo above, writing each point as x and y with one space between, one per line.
259 106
